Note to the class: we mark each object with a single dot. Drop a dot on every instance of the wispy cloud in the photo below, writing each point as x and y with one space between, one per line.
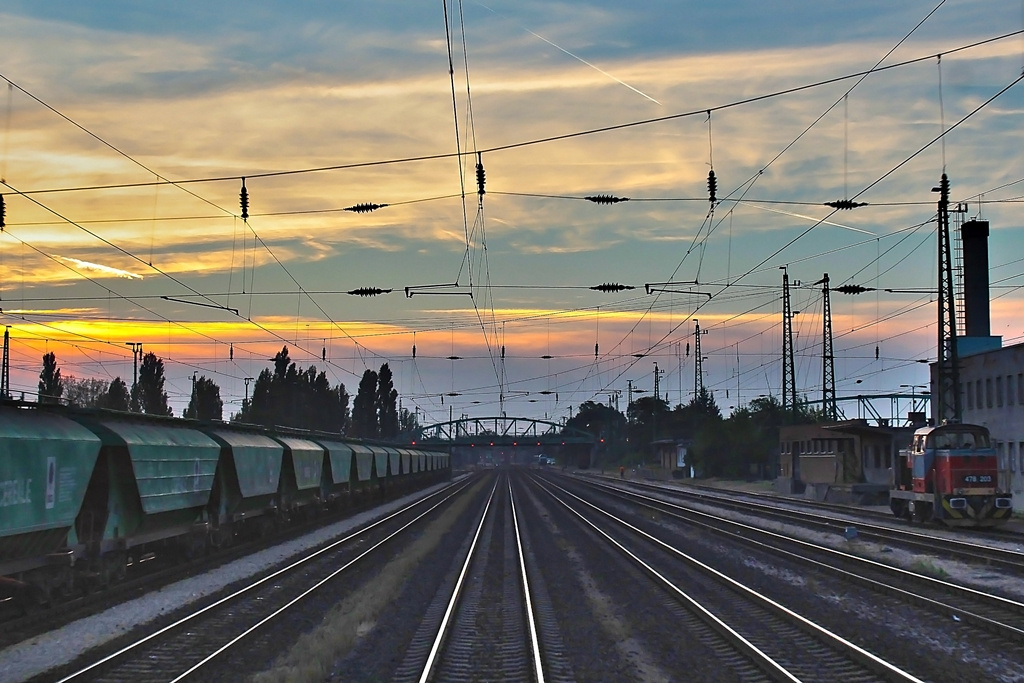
99 268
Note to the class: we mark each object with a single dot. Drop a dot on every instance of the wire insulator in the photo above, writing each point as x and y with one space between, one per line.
3 213
851 289
606 199
845 204
243 199
369 291
611 287
503 352
595 350
414 351
481 175
366 207
712 187
454 358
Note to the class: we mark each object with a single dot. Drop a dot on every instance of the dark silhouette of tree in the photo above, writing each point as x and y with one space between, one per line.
85 393
291 397
648 421
409 426
205 403
604 422
364 408
149 394
51 386
117 397
387 404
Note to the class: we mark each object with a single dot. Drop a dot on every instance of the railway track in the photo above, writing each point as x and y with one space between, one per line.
840 518
996 615
198 641
496 622
778 642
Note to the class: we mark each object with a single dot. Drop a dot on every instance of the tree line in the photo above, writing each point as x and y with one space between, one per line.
738 446
284 395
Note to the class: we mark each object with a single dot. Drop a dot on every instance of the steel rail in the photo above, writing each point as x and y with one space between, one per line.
450 490
442 631
985 599
864 657
530 617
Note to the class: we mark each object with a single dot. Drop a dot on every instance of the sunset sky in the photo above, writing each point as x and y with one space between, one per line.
126 127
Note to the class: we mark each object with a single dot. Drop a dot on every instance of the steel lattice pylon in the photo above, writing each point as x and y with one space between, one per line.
947 405
828 365
788 366
698 364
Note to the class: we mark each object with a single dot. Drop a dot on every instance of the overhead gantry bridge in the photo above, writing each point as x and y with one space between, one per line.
507 440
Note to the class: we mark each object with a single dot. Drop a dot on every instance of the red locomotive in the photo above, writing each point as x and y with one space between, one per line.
950 474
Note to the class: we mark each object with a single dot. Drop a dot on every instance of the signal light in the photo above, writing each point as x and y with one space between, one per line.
243 199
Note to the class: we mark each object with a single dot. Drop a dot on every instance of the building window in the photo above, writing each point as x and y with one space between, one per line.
979 401
1010 391
1020 389
988 392
999 391
970 396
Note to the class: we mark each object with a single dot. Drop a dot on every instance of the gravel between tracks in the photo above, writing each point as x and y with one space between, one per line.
38 655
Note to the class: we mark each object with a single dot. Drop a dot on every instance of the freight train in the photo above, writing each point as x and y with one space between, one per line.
950 474
83 493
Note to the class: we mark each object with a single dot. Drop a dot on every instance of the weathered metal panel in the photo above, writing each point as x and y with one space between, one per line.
45 464
341 460
257 461
380 461
364 461
308 458
407 461
394 460
173 466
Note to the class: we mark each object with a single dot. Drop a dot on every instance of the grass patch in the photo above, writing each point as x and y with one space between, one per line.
314 654
929 568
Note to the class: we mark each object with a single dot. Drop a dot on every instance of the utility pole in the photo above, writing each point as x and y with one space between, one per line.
657 380
947 405
136 355
788 367
5 373
247 380
828 367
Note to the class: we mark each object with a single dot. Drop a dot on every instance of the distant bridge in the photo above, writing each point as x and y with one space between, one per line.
505 432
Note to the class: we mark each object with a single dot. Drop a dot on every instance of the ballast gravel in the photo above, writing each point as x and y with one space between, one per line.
42 653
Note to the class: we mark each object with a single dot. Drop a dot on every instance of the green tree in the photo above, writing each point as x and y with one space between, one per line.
205 403
51 386
297 398
648 421
149 395
117 397
85 393
409 425
387 404
606 424
364 408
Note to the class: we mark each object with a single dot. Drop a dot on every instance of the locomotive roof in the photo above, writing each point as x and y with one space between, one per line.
951 427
